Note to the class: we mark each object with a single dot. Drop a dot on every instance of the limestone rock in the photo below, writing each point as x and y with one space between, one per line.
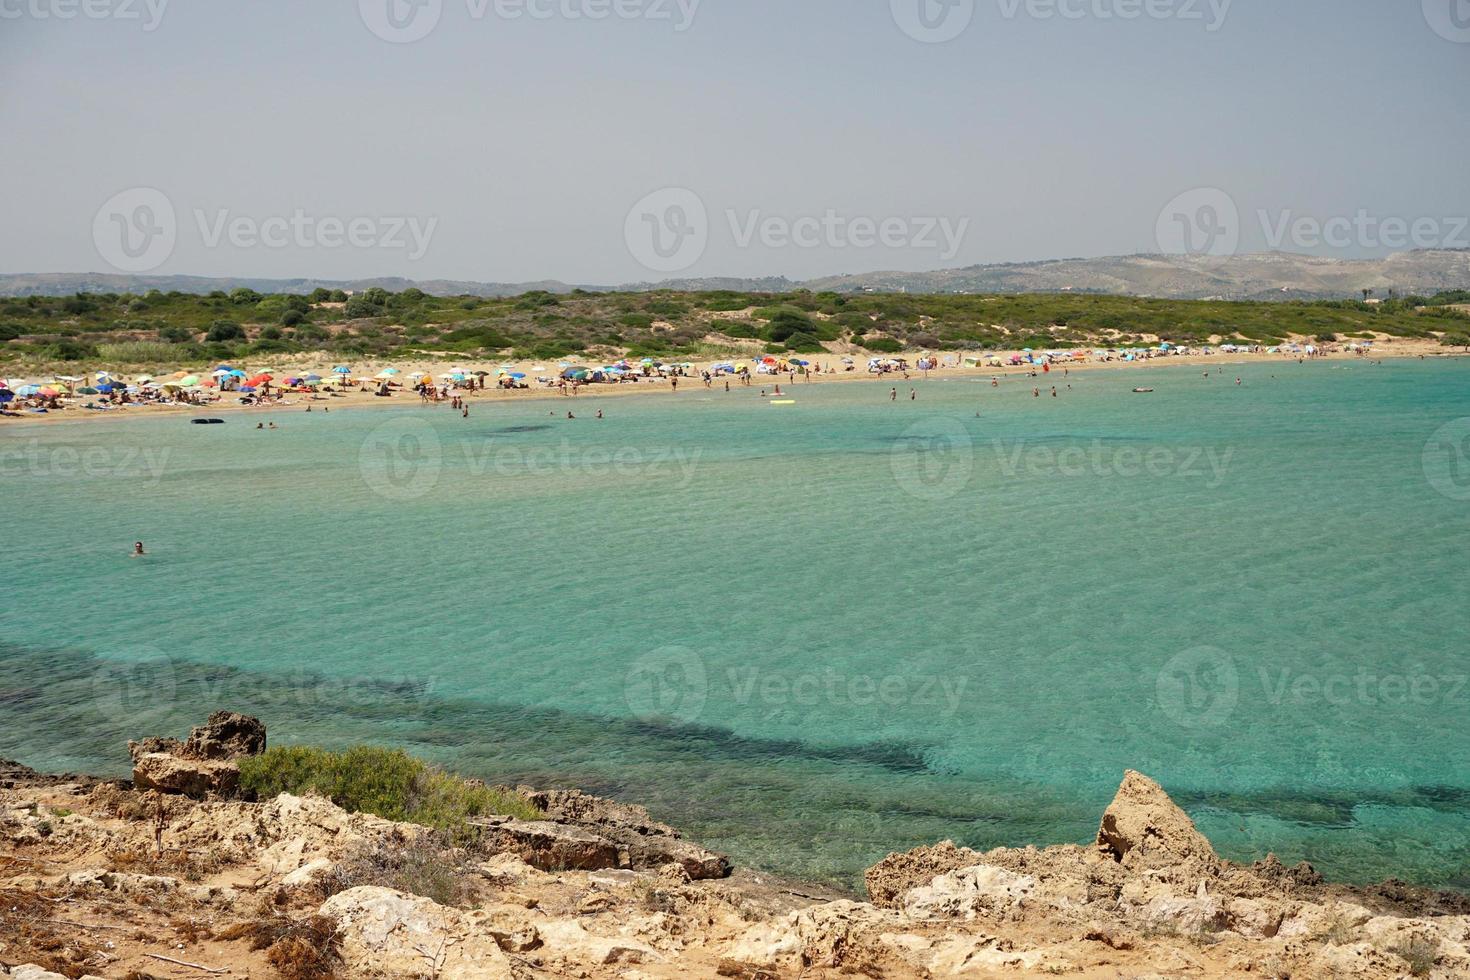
1143 826
891 877
226 735
551 846
197 778
202 765
980 890
646 843
388 935
31 971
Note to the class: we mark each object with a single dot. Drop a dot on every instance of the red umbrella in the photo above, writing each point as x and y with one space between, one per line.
258 380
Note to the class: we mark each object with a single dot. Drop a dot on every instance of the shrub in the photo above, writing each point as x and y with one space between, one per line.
223 331
70 350
387 782
883 345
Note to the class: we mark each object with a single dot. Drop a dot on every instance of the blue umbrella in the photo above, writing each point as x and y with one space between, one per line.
247 389
237 373
6 395
342 370
25 391
104 389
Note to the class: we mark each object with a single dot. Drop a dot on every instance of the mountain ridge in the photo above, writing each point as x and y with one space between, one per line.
1252 276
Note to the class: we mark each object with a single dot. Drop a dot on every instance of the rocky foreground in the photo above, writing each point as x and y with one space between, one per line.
165 877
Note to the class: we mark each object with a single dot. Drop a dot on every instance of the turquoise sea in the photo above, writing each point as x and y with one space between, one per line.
807 634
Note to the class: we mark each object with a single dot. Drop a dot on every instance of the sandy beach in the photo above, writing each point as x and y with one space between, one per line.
828 369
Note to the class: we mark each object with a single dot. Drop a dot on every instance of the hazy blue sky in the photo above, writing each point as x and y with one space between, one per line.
518 146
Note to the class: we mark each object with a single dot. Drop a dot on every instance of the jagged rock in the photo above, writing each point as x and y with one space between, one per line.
226 735
202 765
551 846
698 863
154 743
197 778
575 806
981 890
1143 826
645 842
891 877
393 936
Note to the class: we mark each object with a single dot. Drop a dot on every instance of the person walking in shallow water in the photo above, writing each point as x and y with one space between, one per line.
893 394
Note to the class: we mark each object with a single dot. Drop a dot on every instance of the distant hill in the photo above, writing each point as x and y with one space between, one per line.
1257 276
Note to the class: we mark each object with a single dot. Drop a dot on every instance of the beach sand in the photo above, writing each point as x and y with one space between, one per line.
1386 348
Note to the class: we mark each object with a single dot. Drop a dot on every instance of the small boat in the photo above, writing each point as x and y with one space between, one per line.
1143 391
207 421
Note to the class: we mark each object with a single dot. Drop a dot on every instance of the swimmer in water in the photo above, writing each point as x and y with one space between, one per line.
138 549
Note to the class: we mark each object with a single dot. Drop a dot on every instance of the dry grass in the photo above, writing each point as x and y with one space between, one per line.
33 935
299 949
426 866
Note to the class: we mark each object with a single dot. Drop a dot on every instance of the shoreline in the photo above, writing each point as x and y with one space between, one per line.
183 864
406 398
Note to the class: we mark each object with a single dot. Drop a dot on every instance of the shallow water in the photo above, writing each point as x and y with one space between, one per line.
808 634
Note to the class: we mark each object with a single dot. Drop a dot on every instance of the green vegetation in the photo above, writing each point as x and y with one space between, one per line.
387 782
113 329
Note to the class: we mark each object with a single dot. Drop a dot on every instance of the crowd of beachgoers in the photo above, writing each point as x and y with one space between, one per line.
101 391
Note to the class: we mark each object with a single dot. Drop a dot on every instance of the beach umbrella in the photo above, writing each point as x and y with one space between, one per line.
26 391
220 374
311 377
49 392
341 370
67 377
517 375
386 373
237 373
6 395
259 380
225 368
143 378
86 391
247 389
106 389
189 380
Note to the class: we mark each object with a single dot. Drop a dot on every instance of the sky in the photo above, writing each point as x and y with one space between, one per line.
618 141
